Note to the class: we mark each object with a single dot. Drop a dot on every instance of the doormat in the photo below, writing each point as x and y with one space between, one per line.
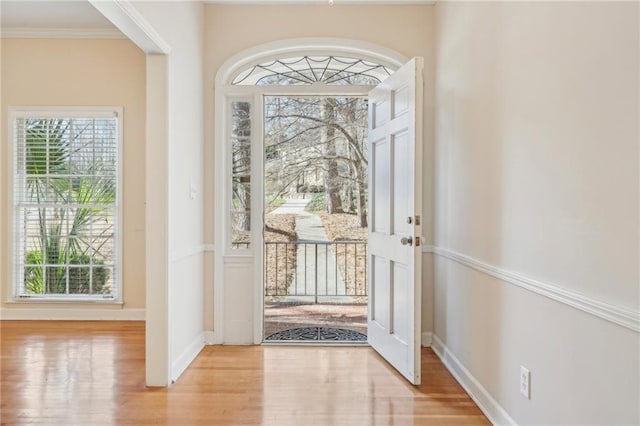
319 334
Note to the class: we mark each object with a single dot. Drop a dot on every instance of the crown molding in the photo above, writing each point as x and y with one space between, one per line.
83 33
133 24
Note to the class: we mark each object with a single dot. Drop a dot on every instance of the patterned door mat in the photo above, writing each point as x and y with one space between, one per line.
318 334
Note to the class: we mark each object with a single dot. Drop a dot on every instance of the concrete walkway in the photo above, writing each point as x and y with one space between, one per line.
317 273
292 206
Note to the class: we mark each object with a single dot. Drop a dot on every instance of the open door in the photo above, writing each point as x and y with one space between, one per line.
395 206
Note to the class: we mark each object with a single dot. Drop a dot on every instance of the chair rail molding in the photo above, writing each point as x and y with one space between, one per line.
616 314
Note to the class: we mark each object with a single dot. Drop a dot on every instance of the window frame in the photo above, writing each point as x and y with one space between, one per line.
14 275
241 248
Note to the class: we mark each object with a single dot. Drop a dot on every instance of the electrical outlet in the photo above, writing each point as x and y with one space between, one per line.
525 382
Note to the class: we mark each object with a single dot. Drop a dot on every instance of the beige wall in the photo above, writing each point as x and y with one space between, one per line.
229 30
56 72
537 174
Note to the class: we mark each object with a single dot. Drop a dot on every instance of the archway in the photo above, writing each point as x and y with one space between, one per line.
290 68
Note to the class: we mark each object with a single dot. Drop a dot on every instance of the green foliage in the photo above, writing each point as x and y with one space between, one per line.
271 152
317 204
39 134
56 276
33 276
277 202
314 189
68 234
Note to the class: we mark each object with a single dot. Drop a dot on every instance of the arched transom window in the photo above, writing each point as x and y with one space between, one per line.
309 70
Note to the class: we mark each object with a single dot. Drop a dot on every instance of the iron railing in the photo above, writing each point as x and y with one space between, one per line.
240 245
320 270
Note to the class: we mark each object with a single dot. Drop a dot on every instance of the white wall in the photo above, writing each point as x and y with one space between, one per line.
180 24
230 29
65 72
537 174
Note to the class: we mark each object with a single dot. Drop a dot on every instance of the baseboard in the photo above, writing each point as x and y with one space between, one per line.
188 355
437 346
65 314
489 406
427 339
209 338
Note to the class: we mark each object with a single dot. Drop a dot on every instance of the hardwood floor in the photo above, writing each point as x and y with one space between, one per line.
92 373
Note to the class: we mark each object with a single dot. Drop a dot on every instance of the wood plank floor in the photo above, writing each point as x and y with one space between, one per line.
92 373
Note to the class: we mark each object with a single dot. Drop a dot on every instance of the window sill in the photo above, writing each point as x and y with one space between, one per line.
64 300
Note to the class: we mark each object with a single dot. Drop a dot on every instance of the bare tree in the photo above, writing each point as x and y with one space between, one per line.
332 176
318 144
241 165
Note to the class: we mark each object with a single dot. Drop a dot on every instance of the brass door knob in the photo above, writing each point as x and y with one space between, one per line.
406 241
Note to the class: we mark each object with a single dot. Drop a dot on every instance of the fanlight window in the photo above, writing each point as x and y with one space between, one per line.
307 70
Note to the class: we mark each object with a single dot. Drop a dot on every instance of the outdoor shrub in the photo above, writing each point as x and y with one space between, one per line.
317 204
56 280
316 189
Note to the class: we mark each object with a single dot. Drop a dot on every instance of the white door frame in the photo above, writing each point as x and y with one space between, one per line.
224 92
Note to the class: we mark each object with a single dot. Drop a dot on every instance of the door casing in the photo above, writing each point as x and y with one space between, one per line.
233 267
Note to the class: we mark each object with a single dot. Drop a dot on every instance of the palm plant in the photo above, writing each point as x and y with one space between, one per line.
68 193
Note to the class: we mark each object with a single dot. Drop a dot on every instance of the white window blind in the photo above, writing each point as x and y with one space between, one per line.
66 192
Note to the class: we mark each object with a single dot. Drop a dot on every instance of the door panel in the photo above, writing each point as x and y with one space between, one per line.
400 324
380 309
400 209
401 101
381 184
395 182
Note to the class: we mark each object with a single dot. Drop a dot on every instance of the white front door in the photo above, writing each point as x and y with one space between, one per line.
395 206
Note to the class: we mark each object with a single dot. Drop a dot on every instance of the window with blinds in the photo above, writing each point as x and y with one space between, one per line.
66 210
